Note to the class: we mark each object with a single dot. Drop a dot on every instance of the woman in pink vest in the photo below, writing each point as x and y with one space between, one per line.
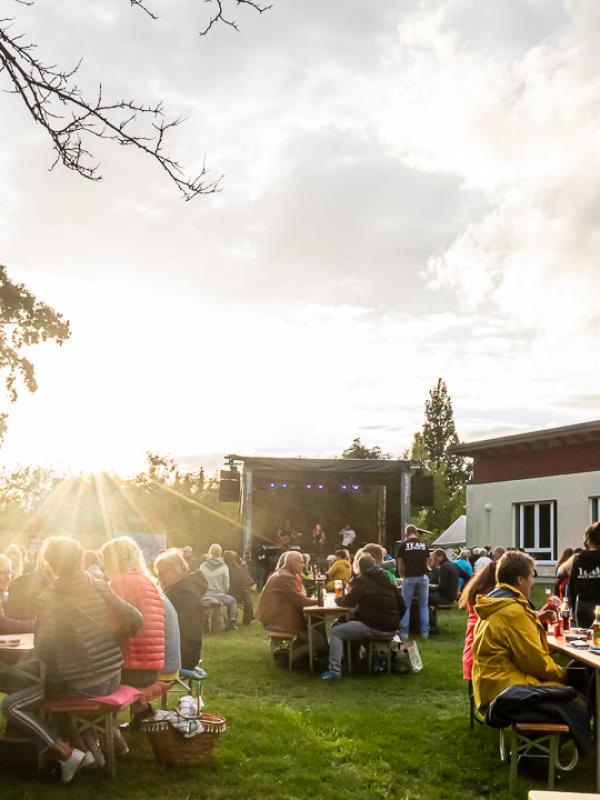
144 653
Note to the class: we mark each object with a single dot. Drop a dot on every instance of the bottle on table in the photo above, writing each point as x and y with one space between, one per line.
565 613
320 593
596 628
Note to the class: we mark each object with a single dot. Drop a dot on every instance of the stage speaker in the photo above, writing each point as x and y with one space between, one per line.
229 486
421 490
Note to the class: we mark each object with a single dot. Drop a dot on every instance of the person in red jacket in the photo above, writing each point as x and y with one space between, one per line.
144 653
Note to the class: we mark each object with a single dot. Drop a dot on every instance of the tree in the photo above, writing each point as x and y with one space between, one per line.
24 321
72 121
358 450
430 450
439 434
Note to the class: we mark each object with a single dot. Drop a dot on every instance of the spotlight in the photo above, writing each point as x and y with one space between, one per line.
271 485
344 487
321 486
284 486
355 487
309 485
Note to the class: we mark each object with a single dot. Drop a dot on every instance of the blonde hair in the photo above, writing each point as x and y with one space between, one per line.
122 556
15 555
357 557
174 559
215 551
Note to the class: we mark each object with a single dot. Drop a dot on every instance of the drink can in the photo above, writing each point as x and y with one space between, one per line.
339 588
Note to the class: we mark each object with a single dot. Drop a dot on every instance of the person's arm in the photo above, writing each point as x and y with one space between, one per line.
573 584
289 589
225 580
8 625
527 652
352 598
128 620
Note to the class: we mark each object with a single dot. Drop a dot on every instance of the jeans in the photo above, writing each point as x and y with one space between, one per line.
341 633
420 585
228 601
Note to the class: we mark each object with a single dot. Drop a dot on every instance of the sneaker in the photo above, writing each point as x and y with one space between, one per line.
233 626
120 745
68 768
88 761
330 675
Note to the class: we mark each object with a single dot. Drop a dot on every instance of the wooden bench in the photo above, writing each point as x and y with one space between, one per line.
282 640
534 740
383 644
96 714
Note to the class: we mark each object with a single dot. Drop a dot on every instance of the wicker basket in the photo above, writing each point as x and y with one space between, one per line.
173 750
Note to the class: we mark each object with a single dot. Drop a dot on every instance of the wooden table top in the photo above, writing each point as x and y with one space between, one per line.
560 645
25 644
329 606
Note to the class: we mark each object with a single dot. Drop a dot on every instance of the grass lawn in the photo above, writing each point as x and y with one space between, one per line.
294 737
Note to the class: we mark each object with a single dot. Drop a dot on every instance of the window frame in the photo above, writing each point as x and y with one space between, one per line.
518 520
594 509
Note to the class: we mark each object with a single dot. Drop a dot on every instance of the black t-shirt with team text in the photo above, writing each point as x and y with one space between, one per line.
414 555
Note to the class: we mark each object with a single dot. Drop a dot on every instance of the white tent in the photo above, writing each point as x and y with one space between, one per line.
455 534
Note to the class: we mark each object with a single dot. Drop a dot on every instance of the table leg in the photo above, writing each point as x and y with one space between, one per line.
310 642
596 732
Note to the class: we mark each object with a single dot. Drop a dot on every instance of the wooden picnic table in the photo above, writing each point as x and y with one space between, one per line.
558 644
316 614
16 656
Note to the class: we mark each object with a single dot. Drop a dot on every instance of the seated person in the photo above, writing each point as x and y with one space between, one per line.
463 563
79 625
8 625
24 592
379 609
340 570
185 590
217 576
509 642
388 564
281 603
443 585
584 580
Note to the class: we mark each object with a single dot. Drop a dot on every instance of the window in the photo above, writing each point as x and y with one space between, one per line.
535 529
594 509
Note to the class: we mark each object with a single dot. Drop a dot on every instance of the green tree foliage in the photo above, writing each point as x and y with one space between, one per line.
358 450
450 472
439 434
24 321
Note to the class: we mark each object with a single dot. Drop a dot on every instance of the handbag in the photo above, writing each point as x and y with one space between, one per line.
406 658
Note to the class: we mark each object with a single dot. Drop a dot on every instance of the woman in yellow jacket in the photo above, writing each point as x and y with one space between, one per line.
509 645
340 570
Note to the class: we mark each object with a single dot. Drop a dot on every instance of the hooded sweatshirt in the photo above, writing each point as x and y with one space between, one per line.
509 646
216 572
378 603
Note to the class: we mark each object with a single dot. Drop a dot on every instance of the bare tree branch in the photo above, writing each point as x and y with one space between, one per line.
219 15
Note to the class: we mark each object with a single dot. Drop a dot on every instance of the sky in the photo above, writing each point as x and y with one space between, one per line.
409 192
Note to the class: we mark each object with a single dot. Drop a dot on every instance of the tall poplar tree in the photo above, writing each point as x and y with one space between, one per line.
439 434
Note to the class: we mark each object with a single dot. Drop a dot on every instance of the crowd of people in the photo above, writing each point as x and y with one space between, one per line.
102 619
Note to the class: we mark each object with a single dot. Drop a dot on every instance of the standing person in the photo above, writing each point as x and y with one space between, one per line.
318 539
347 537
413 558
482 560
80 623
584 580
217 575
379 608
240 583
185 590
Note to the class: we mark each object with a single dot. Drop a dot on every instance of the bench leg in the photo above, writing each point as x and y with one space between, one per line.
110 745
349 656
552 759
514 760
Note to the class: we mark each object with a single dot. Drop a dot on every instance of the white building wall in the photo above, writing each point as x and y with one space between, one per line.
495 524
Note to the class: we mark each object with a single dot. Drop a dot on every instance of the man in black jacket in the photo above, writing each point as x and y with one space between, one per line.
379 609
185 590
584 582
443 584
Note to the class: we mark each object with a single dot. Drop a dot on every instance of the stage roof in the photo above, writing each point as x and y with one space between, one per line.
343 466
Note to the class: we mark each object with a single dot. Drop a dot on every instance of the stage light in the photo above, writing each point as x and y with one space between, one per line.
344 487
355 487
321 486
272 485
284 486
309 485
